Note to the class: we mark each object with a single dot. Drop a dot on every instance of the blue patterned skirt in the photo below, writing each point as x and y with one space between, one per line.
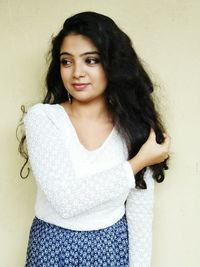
53 246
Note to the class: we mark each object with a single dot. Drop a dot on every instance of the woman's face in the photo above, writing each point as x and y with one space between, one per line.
81 70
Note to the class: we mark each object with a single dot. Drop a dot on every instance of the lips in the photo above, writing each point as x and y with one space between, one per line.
80 86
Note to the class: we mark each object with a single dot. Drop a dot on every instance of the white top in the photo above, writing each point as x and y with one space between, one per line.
80 189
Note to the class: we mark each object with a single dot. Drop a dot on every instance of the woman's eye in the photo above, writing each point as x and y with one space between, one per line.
92 61
65 62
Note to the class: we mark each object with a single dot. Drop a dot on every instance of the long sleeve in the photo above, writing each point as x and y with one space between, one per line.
139 212
50 162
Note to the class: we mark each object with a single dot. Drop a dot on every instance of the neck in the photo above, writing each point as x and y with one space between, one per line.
93 110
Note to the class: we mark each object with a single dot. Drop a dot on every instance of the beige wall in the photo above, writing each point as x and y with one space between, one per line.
166 35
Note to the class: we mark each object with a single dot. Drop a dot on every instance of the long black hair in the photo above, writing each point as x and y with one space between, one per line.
128 93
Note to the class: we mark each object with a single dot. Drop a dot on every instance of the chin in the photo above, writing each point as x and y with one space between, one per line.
84 99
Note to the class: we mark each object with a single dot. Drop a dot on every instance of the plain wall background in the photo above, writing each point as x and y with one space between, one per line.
166 35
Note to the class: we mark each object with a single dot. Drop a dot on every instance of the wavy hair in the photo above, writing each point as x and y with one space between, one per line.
129 89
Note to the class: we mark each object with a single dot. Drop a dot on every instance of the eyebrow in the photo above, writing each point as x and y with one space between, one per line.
84 54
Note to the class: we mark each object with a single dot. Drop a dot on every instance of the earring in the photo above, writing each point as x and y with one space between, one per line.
110 100
69 97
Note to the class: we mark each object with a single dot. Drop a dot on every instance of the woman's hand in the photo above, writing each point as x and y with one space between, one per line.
150 153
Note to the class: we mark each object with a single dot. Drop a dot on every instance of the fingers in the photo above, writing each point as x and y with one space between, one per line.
167 139
166 156
166 135
152 134
166 144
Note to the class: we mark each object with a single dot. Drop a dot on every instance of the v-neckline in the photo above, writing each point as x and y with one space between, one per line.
106 140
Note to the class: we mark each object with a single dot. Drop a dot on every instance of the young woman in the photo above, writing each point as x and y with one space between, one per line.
95 144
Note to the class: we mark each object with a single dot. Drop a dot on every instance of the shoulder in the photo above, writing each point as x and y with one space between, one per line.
41 112
41 108
35 109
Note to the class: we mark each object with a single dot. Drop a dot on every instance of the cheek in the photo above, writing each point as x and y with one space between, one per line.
101 76
64 75
61 73
103 79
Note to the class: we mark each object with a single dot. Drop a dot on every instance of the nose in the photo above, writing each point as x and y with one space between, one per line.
78 70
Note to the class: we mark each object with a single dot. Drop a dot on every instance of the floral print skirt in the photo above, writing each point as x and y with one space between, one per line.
53 246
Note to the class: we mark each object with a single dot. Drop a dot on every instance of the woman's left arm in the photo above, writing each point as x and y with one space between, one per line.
139 212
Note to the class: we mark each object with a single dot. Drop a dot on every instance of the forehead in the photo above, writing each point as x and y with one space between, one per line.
76 43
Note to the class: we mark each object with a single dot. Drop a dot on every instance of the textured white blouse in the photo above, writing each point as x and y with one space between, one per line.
82 189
